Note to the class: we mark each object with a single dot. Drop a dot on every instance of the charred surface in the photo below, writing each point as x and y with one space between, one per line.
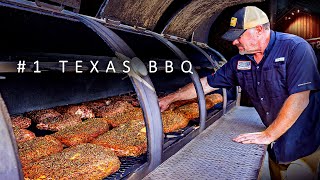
136 12
198 11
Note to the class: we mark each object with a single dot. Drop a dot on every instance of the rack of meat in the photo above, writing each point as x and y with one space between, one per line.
79 145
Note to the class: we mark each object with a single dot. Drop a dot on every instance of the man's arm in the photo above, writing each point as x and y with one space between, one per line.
289 113
184 93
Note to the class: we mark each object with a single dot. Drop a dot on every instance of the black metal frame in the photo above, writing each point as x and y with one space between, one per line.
10 167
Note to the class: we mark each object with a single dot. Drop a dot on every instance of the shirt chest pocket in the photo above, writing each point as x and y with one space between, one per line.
275 80
246 82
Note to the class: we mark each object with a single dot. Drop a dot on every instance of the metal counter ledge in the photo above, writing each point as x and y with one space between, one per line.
213 154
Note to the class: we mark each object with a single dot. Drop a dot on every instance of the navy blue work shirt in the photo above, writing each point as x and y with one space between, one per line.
289 66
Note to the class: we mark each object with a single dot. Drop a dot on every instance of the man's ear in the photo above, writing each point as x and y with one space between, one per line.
259 29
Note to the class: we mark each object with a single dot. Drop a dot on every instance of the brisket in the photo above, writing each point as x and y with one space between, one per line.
189 111
23 135
126 140
39 116
213 99
85 161
114 109
20 122
173 121
60 122
95 105
128 98
81 110
37 148
121 118
177 104
83 132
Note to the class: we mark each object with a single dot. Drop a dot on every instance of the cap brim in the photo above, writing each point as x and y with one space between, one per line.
233 34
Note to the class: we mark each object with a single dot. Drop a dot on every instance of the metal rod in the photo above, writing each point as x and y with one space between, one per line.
218 54
238 95
225 100
213 63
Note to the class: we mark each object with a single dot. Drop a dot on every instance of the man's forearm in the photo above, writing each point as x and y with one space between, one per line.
189 91
288 115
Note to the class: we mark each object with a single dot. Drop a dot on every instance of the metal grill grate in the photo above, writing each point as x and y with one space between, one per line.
128 165
213 155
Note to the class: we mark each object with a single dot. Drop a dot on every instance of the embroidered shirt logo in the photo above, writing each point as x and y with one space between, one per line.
244 65
280 59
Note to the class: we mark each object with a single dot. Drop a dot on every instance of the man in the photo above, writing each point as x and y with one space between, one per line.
279 73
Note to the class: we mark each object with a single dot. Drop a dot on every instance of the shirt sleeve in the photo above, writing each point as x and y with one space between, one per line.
224 77
302 71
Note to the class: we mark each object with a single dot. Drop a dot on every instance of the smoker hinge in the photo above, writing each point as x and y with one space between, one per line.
174 38
139 28
113 22
200 44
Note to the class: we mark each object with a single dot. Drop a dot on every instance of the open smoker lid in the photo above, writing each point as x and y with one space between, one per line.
148 13
47 35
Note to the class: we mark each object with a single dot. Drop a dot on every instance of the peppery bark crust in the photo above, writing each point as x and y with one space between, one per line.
84 161
128 139
23 135
20 122
60 122
83 132
40 116
172 121
37 148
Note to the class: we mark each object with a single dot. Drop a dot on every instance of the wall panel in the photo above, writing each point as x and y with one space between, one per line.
304 25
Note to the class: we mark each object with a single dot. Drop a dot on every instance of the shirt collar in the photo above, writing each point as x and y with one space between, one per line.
271 43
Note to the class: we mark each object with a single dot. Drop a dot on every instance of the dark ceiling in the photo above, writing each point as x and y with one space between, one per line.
310 6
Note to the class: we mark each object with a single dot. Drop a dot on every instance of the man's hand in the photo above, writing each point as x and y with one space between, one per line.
254 138
164 103
289 113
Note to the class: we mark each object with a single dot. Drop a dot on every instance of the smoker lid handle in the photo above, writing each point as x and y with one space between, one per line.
138 67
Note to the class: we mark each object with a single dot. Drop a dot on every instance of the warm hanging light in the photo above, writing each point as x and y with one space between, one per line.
292 13
298 10
289 17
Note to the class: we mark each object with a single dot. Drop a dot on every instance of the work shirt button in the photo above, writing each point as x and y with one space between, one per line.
267 113
258 83
257 67
261 99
